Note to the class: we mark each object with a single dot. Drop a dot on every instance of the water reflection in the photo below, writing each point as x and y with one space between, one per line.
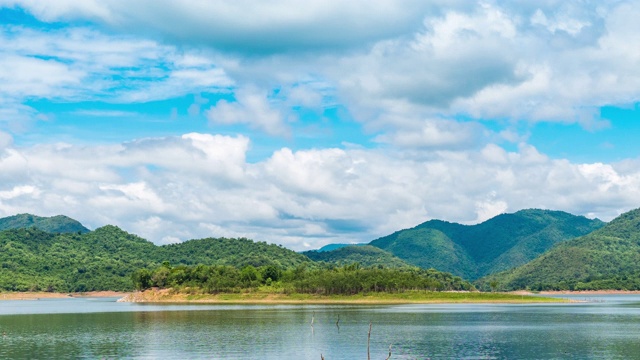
106 329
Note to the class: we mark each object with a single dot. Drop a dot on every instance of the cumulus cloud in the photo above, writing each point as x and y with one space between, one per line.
6 140
249 26
435 133
524 61
78 64
200 185
251 107
421 76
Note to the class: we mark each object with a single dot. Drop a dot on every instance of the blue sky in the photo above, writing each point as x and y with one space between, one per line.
309 124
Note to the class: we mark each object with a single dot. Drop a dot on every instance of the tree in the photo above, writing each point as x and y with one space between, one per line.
141 279
271 272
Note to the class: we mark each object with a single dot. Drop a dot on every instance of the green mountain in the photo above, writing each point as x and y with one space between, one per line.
608 258
331 247
104 259
498 244
366 255
54 224
235 252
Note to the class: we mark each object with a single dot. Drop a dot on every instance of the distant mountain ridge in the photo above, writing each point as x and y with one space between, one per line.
331 247
365 255
53 224
104 259
500 243
59 253
608 258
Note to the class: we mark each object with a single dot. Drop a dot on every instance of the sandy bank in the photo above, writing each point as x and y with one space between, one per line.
168 296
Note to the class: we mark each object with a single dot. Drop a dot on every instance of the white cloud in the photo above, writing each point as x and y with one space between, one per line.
52 11
489 208
408 70
251 107
18 191
524 61
6 140
248 26
201 185
440 134
78 64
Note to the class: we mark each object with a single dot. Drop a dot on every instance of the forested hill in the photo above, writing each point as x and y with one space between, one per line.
331 247
54 224
608 258
104 259
366 255
498 244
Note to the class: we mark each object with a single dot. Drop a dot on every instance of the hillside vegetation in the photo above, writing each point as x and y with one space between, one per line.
365 255
608 258
345 280
54 224
498 244
104 259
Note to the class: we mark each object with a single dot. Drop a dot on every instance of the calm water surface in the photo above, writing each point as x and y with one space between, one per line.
606 328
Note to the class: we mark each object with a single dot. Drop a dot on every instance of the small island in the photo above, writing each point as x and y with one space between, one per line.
349 284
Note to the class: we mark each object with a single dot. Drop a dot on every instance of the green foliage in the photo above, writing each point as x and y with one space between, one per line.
346 280
366 255
54 224
31 259
500 243
330 247
111 259
223 251
608 258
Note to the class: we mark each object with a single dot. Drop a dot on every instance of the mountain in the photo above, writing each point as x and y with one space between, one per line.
500 243
330 247
608 258
104 259
54 224
236 252
365 255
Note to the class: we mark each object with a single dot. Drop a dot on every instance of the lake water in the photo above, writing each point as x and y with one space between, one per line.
91 328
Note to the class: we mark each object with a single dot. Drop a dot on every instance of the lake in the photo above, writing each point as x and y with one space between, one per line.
100 328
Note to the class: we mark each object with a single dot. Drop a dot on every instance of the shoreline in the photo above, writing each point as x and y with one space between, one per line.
590 292
22 295
168 296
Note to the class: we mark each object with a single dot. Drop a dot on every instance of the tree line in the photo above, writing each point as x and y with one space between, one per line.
330 280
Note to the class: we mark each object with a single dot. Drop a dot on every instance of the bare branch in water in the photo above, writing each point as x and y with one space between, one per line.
368 341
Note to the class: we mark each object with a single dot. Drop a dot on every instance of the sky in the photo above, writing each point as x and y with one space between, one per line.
304 123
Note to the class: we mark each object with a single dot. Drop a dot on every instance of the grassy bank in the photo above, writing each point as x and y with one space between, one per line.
264 297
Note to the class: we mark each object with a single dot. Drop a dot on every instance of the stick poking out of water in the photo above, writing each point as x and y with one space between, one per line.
313 318
368 341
